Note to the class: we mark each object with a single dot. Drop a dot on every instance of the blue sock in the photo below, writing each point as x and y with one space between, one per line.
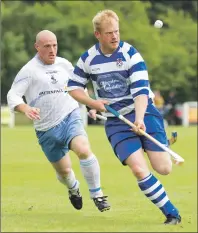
154 190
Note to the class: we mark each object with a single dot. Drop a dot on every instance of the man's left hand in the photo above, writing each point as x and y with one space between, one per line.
92 113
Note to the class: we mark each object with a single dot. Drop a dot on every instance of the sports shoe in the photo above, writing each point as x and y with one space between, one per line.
76 199
172 220
101 203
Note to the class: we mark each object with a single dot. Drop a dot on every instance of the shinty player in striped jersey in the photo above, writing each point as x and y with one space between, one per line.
57 118
120 78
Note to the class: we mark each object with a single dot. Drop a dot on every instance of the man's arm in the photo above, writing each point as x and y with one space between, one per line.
80 96
141 103
139 86
77 83
31 112
14 96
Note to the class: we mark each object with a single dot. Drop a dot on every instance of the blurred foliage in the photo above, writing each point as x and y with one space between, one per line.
170 53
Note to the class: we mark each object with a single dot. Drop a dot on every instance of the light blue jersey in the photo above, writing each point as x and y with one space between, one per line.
118 78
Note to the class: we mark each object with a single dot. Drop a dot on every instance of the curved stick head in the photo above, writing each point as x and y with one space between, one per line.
178 162
173 138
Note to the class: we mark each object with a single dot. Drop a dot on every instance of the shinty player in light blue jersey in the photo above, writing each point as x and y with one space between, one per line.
119 77
57 118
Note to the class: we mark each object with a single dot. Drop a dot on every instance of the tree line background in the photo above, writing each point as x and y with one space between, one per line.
170 53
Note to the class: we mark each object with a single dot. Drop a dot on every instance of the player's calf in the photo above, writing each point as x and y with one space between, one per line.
72 184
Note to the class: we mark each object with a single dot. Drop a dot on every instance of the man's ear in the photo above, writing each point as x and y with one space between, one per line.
36 46
97 34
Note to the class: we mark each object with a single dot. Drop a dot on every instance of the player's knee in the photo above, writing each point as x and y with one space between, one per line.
164 169
83 151
81 147
139 172
139 175
64 172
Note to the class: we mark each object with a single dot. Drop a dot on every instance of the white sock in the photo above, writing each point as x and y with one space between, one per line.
91 172
69 181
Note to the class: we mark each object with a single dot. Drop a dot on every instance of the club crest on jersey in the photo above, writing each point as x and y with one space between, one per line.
53 79
119 62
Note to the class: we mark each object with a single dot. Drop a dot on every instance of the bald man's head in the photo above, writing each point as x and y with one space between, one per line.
46 46
45 34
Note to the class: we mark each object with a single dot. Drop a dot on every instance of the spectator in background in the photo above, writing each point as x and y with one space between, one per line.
170 104
171 99
159 101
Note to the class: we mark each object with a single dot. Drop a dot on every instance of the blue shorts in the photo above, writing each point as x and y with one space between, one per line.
55 141
125 142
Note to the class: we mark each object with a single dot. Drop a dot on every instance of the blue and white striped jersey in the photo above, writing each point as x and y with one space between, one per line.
118 78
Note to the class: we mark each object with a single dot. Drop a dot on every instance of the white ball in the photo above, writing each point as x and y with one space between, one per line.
158 24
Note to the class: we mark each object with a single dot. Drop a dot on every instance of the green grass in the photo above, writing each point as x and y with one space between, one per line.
34 201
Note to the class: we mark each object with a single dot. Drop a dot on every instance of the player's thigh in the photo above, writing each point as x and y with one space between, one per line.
137 163
80 145
75 135
124 145
160 162
159 159
129 152
51 144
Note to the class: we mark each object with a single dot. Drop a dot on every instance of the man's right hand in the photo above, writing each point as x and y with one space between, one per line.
99 105
32 113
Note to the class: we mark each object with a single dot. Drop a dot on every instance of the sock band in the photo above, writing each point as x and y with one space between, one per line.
88 162
74 185
94 190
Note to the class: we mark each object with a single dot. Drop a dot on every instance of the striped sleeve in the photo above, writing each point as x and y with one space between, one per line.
80 76
139 82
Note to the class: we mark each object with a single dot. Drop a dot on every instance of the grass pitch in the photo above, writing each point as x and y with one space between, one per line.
32 200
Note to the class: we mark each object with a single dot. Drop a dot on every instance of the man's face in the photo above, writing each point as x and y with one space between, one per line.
47 50
108 36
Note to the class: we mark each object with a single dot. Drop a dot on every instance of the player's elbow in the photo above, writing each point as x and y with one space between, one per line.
72 93
14 100
9 97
